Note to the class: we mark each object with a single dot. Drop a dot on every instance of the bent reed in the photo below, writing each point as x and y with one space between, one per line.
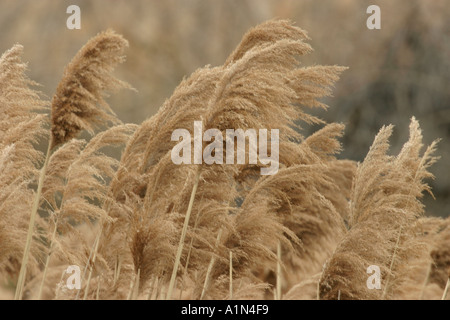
142 227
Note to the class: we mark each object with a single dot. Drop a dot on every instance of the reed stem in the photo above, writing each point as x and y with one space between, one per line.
23 268
183 236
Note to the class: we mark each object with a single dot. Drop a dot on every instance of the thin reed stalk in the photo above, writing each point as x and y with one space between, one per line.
279 275
23 269
210 267
97 294
47 262
117 268
183 236
231 275
425 282
386 286
447 286
91 266
130 291
189 255
135 290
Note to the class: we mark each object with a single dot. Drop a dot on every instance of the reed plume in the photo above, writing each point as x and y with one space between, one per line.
424 277
384 207
79 103
259 86
21 127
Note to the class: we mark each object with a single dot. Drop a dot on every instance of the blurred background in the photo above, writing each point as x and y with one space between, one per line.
400 71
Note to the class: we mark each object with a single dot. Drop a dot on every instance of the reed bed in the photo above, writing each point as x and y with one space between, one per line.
142 227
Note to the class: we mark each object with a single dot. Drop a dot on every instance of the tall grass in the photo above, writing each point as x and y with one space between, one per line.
144 228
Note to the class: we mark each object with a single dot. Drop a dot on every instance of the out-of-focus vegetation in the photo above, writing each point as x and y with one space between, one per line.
394 73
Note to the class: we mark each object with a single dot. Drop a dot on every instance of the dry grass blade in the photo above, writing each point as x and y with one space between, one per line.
23 268
279 277
447 286
231 276
210 267
183 236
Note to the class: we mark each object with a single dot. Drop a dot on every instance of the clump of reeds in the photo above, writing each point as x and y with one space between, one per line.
144 228
384 208
65 188
21 127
